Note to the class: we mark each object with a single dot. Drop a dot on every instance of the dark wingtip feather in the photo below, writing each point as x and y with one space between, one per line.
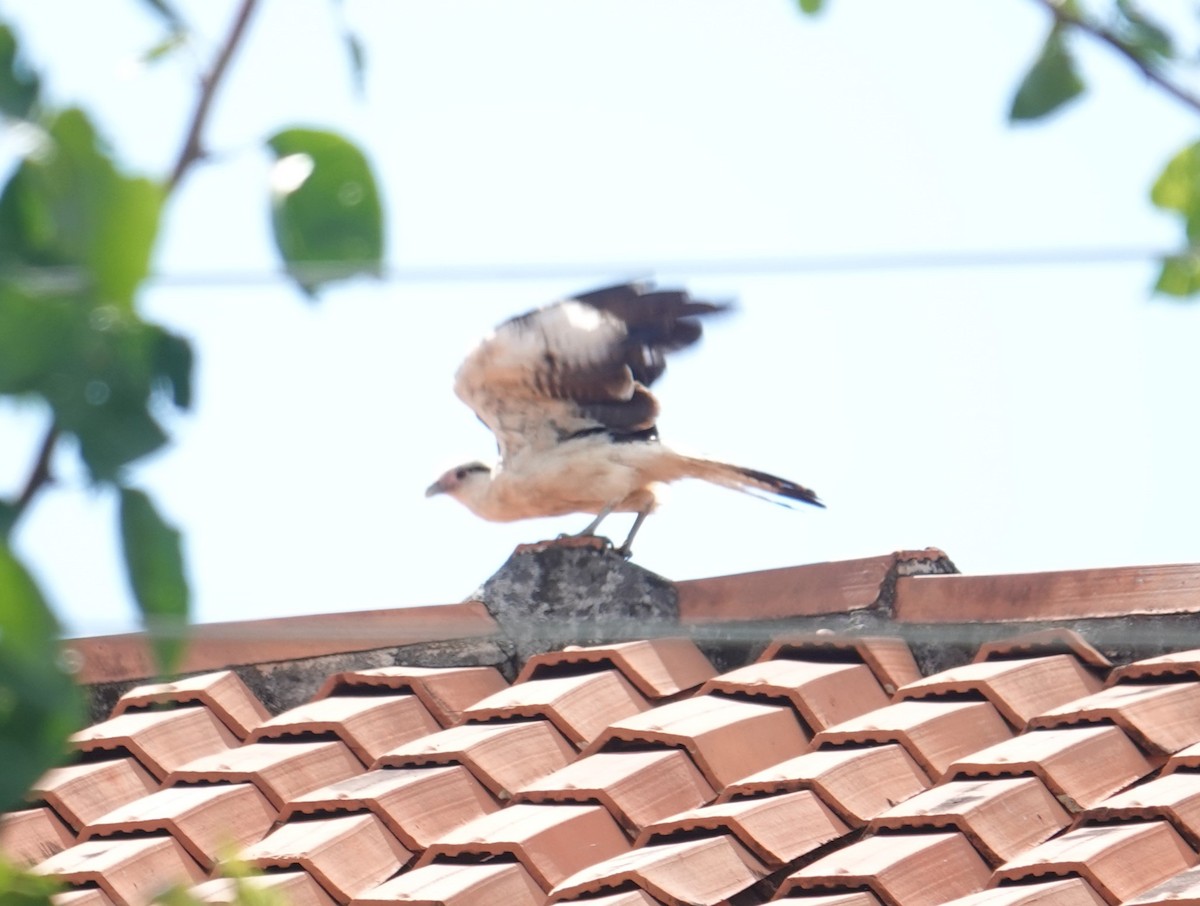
782 487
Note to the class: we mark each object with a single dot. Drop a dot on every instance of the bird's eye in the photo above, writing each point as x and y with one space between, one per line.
460 474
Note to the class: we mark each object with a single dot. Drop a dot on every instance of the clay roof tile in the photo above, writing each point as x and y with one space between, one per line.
1162 718
295 888
889 658
223 693
450 884
80 793
445 691
1044 642
1174 797
657 668
27 837
1181 890
130 872
1174 666
160 741
1067 892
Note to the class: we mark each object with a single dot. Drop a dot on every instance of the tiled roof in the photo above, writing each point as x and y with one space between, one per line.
828 769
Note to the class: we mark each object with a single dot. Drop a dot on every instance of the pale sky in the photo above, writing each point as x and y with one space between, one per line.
827 174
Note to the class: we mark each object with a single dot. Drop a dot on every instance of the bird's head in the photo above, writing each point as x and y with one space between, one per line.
464 483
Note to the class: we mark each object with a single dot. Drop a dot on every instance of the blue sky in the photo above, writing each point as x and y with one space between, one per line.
842 178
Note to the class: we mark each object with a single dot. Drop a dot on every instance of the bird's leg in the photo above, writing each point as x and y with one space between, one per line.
594 524
626 549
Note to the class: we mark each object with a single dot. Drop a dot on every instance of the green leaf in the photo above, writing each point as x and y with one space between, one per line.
1146 39
154 566
40 705
67 207
167 12
1179 276
327 218
1178 186
811 7
1051 82
21 888
19 86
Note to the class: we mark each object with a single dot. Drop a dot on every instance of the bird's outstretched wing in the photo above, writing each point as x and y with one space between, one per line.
579 366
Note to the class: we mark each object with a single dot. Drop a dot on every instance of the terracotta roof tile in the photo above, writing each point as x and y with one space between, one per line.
898 869
625 898
726 738
1019 689
1043 642
347 855
87 896
1118 861
27 837
1080 765
1087 593
579 706
131 872
449 884
821 693
857 783
1178 666
1161 718
1002 817
160 741
1181 890
280 770
836 899
1068 892
890 659
80 793
445 691
637 787
1184 760
417 805
369 725
1174 797
205 820
503 757
295 888
777 829
710 870
933 732
545 839
657 668
223 693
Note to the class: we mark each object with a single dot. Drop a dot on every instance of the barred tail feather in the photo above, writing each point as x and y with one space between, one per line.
750 481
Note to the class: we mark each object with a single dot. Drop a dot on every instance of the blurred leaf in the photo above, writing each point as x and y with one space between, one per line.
811 7
1051 82
20 888
162 49
173 361
1146 39
19 86
167 12
327 218
67 207
1178 186
1179 276
40 705
358 61
8 515
154 566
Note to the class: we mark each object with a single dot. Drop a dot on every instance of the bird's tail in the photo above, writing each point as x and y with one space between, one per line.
749 481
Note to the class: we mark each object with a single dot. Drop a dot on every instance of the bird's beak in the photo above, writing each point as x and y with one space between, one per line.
435 488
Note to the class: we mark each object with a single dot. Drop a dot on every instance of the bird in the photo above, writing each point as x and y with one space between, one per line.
565 390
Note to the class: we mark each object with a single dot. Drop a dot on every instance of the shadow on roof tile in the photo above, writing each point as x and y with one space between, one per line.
1118 861
726 738
131 872
503 757
890 659
545 839
369 725
449 884
1002 817
580 706
657 668
1044 643
33 835
1080 765
418 805
207 821
1179 666
1019 689
636 787
295 888
933 732
347 854
223 693
1068 892
1174 797
897 868
81 793
861 898
280 770
1162 719
855 783
445 691
822 694
709 870
160 741
777 829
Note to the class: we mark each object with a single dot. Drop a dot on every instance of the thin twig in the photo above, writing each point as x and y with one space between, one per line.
191 152
193 143
1113 40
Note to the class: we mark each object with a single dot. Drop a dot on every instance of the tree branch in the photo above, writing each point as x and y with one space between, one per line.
1117 43
191 152
193 143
